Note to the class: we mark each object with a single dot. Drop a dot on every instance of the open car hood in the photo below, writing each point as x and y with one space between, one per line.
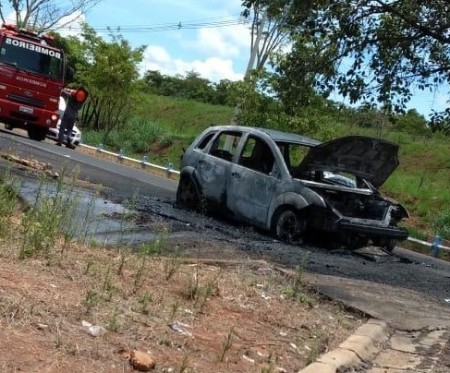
368 158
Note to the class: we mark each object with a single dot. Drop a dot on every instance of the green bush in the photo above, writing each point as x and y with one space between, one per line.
135 136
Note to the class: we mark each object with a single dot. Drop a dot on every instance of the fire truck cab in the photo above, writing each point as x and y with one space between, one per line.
32 74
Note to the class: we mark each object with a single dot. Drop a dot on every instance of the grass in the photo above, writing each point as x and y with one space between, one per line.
296 290
226 345
133 295
199 292
318 347
8 203
53 209
183 117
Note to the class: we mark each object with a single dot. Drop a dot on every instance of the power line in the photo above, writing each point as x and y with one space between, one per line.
181 25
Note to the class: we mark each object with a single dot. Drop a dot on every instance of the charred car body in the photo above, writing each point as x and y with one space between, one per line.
294 185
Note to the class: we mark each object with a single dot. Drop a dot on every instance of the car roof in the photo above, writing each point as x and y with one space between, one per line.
277 136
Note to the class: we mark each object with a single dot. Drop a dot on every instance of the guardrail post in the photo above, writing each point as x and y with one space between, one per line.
169 169
435 246
144 161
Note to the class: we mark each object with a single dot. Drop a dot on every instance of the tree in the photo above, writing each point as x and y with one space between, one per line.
297 73
226 93
411 122
43 15
197 88
382 49
153 80
109 70
293 74
268 33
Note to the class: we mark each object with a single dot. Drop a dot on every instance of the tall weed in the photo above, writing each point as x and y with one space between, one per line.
8 201
53 210
442 225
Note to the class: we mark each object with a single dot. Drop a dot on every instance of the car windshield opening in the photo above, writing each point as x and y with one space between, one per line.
293 155
32 58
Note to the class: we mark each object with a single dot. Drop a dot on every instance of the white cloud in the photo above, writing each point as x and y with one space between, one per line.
70 25
231 41
211 52
156 54
211 68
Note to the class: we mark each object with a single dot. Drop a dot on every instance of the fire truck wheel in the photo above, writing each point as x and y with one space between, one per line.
37 133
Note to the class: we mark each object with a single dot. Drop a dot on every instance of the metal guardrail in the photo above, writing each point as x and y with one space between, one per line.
168 171
429 244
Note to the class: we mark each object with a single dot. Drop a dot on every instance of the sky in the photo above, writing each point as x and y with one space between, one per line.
214 52
206 36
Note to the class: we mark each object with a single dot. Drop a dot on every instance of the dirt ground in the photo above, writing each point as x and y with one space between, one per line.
189 316
69 307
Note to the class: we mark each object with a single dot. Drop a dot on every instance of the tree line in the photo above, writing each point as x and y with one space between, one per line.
110 71
373 53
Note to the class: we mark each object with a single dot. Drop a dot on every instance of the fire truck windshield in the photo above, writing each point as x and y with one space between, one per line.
35 58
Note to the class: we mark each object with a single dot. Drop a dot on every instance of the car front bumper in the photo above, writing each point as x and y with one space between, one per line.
373 230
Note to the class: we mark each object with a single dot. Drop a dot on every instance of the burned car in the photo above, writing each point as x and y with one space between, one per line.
294 186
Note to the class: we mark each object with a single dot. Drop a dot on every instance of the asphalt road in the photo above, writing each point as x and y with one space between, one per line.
407 289
123 180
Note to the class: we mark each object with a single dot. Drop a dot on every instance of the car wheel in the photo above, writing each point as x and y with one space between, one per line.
386 243
355 242
187 196
288 226
389 244
37 133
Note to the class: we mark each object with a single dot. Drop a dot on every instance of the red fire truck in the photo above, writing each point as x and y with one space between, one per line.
32 74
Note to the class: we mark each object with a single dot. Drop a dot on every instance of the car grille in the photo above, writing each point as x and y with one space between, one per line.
26 100
24 117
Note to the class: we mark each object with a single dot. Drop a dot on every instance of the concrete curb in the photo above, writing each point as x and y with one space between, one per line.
360 347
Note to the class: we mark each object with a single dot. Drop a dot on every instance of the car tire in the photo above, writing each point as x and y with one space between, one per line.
387 244
288 225
37 133
187 195
355 242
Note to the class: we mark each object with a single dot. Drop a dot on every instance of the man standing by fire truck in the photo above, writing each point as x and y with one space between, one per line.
75 100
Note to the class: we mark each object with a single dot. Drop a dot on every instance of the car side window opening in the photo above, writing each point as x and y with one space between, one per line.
257 155
205 141
225 145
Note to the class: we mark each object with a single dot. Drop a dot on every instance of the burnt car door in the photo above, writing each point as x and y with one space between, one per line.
253 181
213 166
